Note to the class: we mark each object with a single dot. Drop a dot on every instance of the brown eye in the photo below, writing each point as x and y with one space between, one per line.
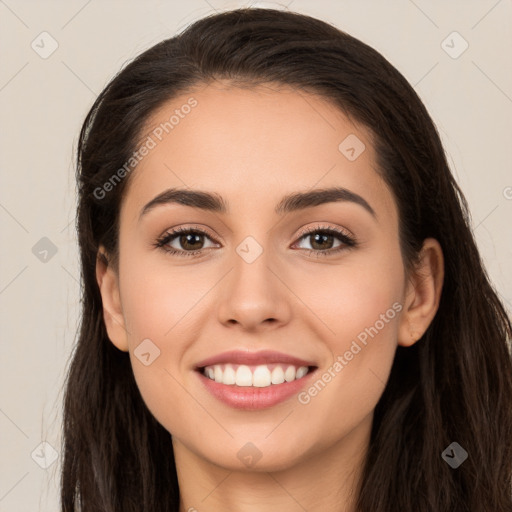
183 241
191 241
323 240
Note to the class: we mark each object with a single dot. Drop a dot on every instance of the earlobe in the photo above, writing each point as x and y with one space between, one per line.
423 293
108 284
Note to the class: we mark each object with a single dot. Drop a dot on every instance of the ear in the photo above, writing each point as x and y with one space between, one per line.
108 283
423 293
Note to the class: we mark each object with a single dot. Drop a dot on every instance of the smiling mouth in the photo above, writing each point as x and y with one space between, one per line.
259 376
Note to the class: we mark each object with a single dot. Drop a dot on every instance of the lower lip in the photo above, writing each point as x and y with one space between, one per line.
253 398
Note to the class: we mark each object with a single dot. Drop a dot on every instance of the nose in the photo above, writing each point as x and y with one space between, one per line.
254 294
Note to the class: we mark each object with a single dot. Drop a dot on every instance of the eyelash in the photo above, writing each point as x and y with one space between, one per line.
348 241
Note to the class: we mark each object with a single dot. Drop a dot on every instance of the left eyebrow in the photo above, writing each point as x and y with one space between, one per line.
290 203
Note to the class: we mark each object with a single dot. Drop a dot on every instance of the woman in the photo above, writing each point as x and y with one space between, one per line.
283 303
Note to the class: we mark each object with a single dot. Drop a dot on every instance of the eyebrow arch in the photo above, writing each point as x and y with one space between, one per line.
290 203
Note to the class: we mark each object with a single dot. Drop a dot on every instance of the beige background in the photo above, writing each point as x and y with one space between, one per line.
43 102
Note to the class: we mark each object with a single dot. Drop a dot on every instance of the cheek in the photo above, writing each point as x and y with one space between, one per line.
156 305
158 299
351 296
359 306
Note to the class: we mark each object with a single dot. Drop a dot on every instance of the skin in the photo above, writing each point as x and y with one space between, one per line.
253 146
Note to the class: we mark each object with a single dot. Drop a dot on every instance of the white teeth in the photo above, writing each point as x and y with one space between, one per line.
243 375
301 372
260 377
277 375
289 374
229 376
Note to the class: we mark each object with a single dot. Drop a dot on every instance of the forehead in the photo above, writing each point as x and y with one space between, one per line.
254 145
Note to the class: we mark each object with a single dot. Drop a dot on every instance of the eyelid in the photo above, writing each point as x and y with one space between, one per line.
302 232
188 228
314 229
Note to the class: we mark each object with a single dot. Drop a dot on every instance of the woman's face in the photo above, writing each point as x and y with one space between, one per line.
262 280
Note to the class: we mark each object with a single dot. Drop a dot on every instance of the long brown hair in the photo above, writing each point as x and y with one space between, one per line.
455 384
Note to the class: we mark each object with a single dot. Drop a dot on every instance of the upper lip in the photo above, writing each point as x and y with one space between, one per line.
253 358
